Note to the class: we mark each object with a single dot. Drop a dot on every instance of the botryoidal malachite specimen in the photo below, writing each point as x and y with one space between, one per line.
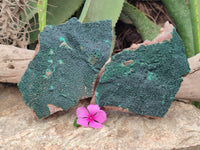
66 66
144 80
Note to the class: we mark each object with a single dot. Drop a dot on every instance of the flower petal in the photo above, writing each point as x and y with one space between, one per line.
100 116
82 112
95 125
82 121
93 109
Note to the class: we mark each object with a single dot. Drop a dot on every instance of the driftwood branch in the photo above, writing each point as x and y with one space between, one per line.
14 62
190 87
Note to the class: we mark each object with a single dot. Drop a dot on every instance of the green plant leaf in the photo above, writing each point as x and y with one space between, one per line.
34 36
179 11
195 17
125 19
96 10
59 11
30 9
147 29
197 104
34 31
85 10
75 122
42 10
113 42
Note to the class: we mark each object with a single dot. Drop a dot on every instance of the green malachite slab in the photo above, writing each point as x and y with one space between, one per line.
63 71
145 80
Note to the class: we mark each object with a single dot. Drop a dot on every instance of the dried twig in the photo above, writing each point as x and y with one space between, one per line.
14 30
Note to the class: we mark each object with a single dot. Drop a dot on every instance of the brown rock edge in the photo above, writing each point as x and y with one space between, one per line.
14 62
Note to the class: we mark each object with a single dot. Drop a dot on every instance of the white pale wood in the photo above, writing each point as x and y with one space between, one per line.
190 87
13 63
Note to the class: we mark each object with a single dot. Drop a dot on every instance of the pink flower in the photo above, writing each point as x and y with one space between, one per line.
92 116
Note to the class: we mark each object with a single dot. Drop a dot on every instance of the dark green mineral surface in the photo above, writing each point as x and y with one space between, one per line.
145 80
66 66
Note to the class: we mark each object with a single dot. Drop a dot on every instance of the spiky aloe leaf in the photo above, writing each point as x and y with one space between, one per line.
195 16
31 10
42 10
147 29
180 12
124 18
59 11
96 10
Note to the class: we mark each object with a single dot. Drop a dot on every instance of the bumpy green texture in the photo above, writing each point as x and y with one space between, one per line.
145 80
66 66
